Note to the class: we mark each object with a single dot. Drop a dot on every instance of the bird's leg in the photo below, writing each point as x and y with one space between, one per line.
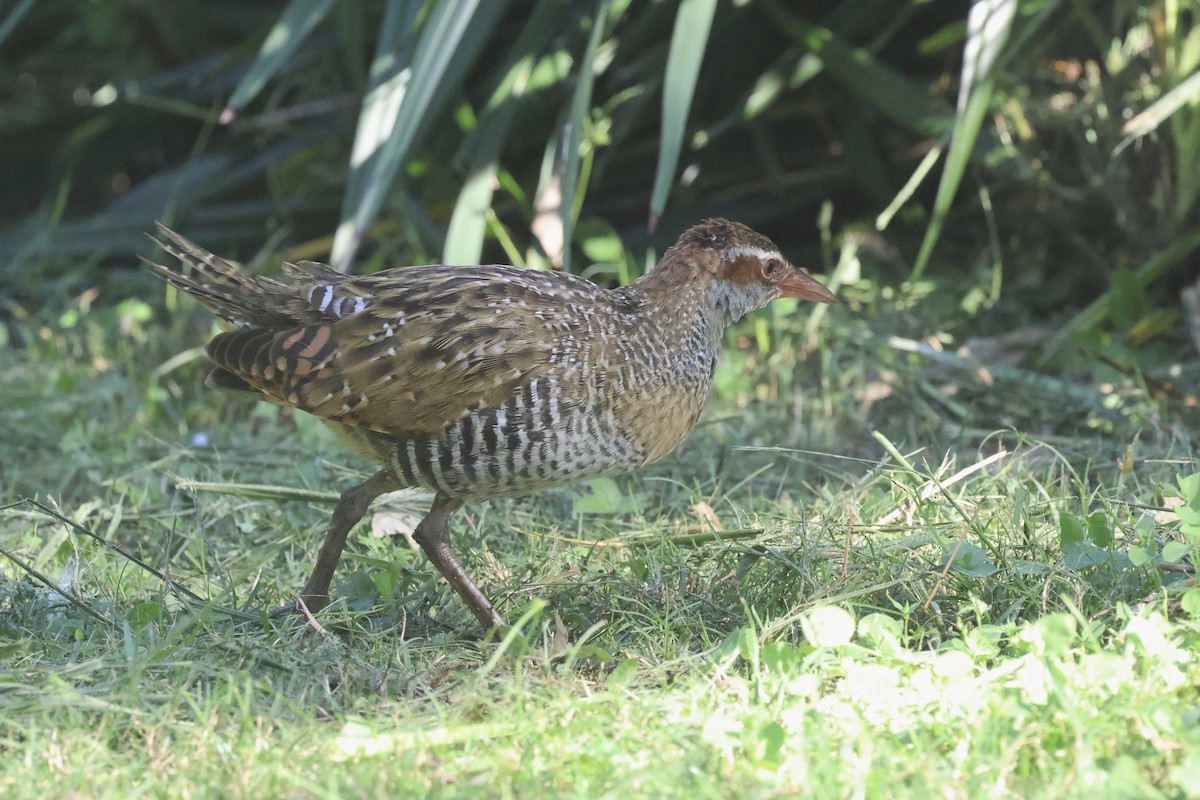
433 534
350 509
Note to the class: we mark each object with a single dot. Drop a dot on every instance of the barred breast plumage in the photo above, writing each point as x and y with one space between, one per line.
477 382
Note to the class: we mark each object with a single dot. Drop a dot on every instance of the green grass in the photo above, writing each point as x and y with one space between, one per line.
876 618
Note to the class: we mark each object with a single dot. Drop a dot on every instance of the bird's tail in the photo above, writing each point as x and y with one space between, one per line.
230 293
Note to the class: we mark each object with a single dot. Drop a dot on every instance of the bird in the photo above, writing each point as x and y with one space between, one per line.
476 382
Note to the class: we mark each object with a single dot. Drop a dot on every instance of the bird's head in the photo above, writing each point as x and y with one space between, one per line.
737 267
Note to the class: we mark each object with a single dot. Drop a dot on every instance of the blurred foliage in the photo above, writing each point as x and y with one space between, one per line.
1036 152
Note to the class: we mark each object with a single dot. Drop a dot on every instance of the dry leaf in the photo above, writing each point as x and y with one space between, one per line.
705 513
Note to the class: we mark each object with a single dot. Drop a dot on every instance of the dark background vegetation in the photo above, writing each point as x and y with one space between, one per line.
110 122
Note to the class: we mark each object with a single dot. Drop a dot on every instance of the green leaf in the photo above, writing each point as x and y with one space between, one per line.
1070 531
879 629
985 641
970 559
828 626
1189 489
1139 556
771 738
604 246
1098 529
1081 555
1128 303
144 613
1175 551
294 25
693 22
1051 635
605 497
1189 516
623 674
748 646
781 658
729 645
1190 602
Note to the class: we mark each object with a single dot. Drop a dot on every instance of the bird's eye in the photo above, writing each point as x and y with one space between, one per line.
770 267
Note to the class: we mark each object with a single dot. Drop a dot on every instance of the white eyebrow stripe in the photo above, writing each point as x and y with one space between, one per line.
749 250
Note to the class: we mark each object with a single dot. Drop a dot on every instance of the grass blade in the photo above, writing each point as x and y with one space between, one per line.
468 222
988 27
293 27
581 106
891 93
1160 111
14 18
692 25
398 108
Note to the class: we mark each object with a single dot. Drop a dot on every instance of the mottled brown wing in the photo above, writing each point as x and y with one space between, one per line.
408 351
